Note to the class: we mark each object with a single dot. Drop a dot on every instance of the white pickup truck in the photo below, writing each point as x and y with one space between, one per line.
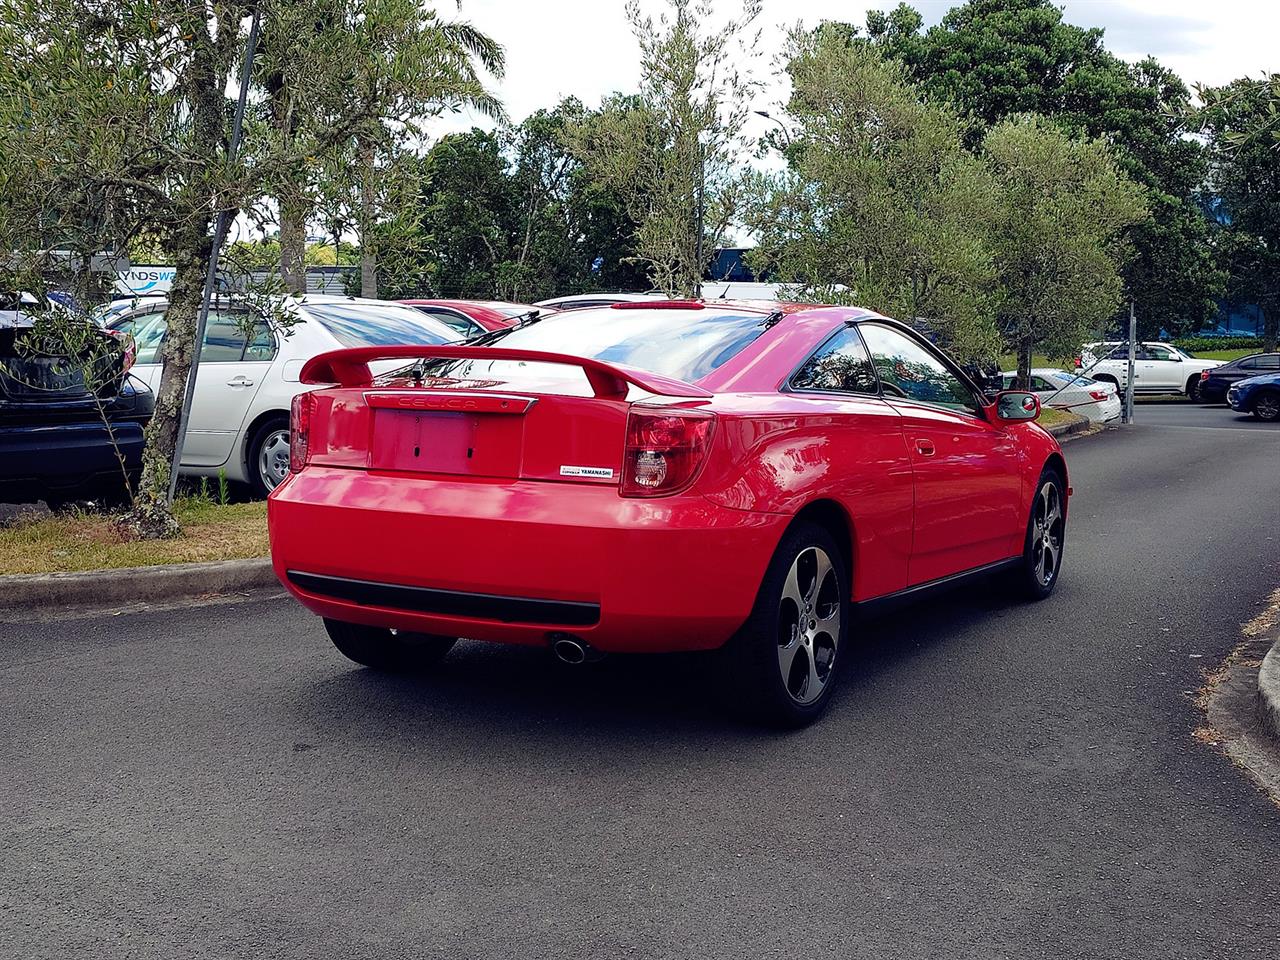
1158 368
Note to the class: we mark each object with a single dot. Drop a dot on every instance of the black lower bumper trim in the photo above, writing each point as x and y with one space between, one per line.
449 603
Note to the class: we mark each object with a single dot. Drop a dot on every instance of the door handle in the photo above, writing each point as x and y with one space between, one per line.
239 382
925 448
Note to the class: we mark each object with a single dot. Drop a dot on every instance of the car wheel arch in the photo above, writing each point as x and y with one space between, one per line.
251 431
835 519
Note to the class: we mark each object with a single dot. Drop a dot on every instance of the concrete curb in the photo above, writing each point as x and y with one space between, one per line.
1062 431
134 584
1269 691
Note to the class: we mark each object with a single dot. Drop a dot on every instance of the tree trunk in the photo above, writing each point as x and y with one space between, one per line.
150 516
1024 362
1270 329
368 211
293 244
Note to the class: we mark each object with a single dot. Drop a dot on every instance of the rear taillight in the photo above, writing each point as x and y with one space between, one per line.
1098 394
300 431
1204 374
665 449
1079 364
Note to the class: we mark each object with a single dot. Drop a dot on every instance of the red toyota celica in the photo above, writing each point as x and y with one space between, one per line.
658 476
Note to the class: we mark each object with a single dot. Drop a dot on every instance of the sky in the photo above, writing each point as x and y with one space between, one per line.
584 48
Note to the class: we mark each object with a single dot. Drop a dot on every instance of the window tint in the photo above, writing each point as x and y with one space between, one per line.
147 330
839 364
685 344
456 321
223 338
262 345
1269 361
908 370
1248 363
1122 353
1041 384
364 325
1161 353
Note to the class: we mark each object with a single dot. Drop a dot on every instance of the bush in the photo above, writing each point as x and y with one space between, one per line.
1218 343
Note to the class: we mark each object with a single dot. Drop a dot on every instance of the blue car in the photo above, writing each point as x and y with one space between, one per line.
58 441
1257 395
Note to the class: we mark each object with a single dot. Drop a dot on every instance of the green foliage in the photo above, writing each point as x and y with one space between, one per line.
670 153
1240 121
880 197
512 214
1063 206
1206 344
994 59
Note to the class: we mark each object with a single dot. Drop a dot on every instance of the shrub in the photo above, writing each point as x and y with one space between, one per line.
1218 343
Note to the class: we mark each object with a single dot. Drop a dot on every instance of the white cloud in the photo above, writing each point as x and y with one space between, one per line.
584 48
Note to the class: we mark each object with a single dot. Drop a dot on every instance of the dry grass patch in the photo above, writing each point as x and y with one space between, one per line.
90 541
1050 417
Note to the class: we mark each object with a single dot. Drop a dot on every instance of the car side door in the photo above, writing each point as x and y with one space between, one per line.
862 449
1162 369
967 470
232 369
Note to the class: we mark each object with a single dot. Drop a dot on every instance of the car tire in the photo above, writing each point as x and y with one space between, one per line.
796 636
382 649
1034 577
1266 407
264 455
1194 394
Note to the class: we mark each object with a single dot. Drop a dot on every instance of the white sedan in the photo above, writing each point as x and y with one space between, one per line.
239 423
1060 390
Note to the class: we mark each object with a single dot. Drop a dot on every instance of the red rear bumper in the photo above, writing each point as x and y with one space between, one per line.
514 562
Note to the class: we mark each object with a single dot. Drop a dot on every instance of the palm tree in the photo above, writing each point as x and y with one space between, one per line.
375 70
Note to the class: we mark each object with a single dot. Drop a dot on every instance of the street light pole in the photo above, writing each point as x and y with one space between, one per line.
1133 350
220 227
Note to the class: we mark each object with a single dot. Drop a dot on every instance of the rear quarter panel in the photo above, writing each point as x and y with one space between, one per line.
779 453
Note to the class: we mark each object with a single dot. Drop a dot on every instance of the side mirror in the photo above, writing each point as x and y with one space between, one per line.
1016 406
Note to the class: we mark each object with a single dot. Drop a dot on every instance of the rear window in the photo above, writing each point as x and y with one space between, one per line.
684 344
361 325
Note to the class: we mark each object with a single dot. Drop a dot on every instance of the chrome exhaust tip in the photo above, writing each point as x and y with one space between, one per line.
569 649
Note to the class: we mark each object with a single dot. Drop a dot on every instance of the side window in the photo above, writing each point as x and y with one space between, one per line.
840 364
1122 353
1268 361
1161 353
1250 363
908 369
464 325
223 338
147 330
262 345
1041 385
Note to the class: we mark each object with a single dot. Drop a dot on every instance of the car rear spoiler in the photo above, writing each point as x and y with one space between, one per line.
350 368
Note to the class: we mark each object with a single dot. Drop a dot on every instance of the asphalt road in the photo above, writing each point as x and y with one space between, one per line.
996 779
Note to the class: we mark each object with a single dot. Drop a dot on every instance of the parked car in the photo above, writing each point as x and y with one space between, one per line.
659 476
239 422
1066 391
61 439
580 301
1215 382
1257 395
1159 368
474 317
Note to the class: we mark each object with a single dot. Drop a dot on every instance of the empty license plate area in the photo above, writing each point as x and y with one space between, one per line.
475 444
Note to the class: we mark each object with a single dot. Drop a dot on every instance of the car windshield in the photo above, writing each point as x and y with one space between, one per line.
684 344
366 325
